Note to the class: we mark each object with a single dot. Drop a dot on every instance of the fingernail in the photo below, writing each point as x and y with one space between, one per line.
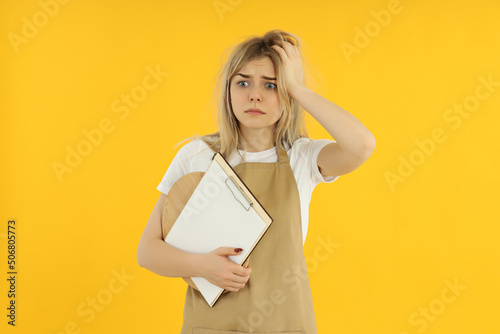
237 250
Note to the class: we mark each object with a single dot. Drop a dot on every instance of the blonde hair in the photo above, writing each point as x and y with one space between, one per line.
291 125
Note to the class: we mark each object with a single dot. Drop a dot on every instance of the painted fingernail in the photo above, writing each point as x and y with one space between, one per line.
237 250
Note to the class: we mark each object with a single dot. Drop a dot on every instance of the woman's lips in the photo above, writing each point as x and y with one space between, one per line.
254 112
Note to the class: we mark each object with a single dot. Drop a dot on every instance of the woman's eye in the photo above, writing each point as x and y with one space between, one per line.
243 83
270 85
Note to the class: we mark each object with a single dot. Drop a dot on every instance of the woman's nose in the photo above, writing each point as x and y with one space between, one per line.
255 94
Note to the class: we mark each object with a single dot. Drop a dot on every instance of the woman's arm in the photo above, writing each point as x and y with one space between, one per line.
354 142
159 257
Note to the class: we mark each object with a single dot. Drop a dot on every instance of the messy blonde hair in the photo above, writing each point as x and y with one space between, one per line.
289 127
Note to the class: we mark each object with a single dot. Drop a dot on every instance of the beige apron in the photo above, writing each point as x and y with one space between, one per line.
277 297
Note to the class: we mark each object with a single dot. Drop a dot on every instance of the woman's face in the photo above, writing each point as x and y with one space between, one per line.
254 87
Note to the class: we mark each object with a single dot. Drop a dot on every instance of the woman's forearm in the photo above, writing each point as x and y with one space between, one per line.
350 134
166 260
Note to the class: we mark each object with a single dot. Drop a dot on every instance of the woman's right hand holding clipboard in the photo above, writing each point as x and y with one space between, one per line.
219 270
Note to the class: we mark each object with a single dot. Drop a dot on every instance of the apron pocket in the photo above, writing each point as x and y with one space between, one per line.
199 330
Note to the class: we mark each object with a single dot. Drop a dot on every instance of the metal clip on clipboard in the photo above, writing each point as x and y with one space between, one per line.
249 203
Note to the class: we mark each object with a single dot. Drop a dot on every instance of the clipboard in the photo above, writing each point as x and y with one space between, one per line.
207 210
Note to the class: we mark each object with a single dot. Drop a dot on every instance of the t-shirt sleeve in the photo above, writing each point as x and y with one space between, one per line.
309 149
179 167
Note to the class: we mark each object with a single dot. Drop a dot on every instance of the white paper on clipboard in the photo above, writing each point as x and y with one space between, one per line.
221 212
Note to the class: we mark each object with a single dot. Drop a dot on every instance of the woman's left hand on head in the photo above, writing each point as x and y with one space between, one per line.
292 66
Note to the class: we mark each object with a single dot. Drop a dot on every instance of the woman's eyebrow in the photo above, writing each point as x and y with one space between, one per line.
249 76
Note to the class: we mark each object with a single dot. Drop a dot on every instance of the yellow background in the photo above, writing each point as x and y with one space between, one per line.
396 246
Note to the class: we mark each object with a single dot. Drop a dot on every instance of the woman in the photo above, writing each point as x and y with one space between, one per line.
263 137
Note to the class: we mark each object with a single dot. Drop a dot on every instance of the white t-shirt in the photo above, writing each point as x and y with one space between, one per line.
303 157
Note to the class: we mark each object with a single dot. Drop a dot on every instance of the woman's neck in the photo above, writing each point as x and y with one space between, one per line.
257 141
